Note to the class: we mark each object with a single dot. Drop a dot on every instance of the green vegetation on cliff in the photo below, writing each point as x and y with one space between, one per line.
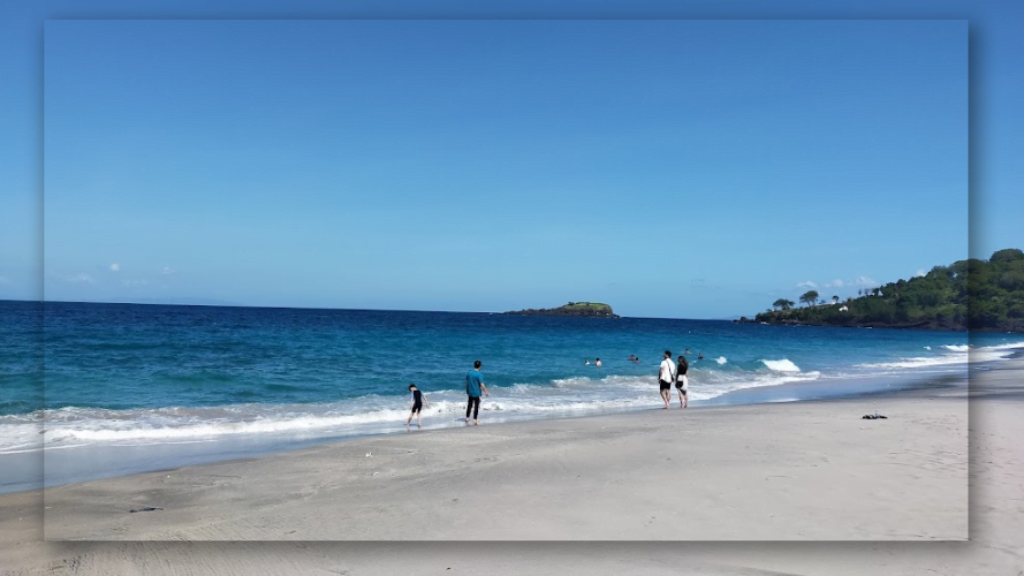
594 309
974 294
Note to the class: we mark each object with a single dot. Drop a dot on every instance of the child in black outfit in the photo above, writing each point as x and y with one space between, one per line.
418 399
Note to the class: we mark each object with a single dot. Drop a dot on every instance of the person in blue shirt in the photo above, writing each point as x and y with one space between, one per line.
474 385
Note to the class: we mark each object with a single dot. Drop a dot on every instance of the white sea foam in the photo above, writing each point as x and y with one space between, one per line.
784 365
960 354
372 414
721 360
577 381
997 352
1012 346
20 433
920 362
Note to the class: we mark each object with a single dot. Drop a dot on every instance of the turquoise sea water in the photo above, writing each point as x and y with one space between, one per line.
130 376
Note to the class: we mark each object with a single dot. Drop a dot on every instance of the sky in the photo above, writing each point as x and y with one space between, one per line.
671 168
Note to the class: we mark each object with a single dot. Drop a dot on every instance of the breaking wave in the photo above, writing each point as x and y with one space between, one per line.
784 365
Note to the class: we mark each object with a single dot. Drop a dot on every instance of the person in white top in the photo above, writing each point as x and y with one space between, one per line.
666 376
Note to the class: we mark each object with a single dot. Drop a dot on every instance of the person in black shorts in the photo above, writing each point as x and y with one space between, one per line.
666 376
418 399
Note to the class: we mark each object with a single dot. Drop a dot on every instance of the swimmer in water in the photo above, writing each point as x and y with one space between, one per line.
597 362
700 355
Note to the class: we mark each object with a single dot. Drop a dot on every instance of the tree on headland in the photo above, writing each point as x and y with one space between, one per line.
974 294
783 304
809 297
1006 256
835 299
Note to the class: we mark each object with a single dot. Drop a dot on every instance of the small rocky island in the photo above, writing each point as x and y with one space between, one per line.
584 309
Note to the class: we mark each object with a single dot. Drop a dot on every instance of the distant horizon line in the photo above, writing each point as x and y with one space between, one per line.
210 303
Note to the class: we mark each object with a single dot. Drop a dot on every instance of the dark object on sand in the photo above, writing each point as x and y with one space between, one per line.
874 417
146 509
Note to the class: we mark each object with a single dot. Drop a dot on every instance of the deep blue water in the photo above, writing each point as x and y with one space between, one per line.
121 374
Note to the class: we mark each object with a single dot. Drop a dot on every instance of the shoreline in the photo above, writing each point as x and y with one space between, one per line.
610 464
84 464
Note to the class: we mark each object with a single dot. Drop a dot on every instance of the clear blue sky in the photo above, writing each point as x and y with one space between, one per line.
694 169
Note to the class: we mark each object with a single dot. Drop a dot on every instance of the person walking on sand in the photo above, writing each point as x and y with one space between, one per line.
418 400
666 375
474 384
682 382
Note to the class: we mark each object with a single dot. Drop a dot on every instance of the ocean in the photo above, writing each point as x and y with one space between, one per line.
110 389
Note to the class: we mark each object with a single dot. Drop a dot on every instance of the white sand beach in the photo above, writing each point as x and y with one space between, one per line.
799 473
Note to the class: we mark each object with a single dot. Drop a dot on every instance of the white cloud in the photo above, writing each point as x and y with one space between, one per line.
920 274
806 284
865 282
115 267
166 270
80 278
837 283
134 283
